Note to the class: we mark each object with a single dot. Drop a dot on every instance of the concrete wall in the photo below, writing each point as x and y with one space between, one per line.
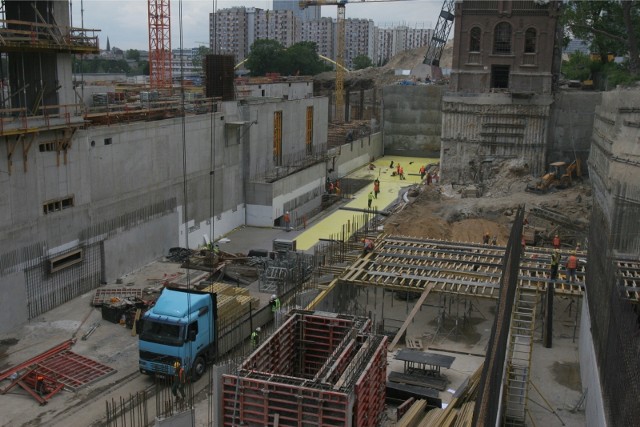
571 126
349 157
13 311
480 129
412 120
282 90
129 250
298 193
128 198
589 376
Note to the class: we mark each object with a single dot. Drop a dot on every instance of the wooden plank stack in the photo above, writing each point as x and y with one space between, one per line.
233 302
459 412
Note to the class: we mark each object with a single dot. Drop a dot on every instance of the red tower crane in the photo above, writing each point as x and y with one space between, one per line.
160 44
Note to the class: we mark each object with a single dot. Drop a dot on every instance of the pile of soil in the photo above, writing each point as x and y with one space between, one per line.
439 212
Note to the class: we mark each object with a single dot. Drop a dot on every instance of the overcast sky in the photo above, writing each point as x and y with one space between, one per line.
125 22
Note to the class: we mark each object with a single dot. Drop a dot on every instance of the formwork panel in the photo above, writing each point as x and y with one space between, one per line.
257 402
370 389
335 361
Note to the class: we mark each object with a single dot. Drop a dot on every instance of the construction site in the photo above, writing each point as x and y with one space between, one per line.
348 249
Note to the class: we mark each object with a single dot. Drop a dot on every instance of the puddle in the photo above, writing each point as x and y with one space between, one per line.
567 374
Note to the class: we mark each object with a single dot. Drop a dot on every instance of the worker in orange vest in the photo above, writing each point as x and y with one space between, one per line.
423 171
287 220
556 242
572 266
376 188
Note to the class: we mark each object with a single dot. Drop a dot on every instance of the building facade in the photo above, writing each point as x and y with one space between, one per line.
234 30
310 13
505 62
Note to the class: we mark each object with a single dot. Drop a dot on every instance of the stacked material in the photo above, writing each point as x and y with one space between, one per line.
459 412
233 302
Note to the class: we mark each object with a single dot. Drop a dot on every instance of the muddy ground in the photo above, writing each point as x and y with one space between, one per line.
440 211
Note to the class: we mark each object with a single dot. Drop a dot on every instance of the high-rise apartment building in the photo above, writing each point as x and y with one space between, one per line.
321 32
228 32
236 29
391 41
359 39
307 14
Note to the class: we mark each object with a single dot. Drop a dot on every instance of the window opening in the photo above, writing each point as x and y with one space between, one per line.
530 41
474 39
502 38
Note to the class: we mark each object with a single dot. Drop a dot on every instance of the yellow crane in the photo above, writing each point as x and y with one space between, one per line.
340 68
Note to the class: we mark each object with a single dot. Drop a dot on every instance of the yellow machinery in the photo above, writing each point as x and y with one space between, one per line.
561 176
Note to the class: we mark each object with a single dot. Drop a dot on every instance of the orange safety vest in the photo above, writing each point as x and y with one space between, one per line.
572 263
556 241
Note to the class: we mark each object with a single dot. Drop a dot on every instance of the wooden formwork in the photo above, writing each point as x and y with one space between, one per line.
316 370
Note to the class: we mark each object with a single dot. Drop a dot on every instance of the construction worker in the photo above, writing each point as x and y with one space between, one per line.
178 380
572 266
275 303
555 262
494 241
556 242
287 220
255 338
423 171
368 246
41 387
376 187
369 199
401 172
485 238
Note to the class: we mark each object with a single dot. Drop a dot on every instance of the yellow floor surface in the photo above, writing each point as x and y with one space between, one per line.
389 190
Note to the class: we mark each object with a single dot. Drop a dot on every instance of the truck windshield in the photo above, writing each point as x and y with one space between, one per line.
162 333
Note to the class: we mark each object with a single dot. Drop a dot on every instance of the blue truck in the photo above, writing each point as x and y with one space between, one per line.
181 326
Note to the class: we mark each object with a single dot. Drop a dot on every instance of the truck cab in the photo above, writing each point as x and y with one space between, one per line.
181 326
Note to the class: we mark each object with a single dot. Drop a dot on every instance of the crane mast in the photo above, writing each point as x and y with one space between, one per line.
440 34
160 44
340 46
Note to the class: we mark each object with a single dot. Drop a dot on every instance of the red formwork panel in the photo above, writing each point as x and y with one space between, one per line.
317 369
370 389
73 370
255 402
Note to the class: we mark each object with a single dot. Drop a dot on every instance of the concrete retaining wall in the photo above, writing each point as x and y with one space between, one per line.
13 311
571 126
594 406
351 156
412 120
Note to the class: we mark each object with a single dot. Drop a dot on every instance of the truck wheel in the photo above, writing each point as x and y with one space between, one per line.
199 367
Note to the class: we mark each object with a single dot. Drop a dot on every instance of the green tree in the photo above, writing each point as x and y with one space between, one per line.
362 61
265 57
133 54
199 56
578 67
609 26
301 59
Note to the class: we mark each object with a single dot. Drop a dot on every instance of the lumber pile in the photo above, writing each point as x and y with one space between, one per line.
459 412
233 302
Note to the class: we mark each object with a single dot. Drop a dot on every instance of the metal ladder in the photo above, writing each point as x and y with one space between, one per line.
519 357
